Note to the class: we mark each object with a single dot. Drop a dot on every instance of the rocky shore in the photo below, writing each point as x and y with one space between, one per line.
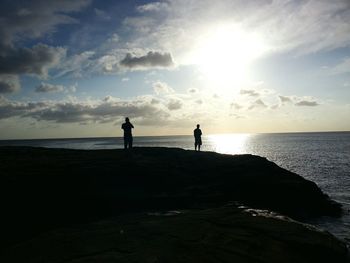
62 205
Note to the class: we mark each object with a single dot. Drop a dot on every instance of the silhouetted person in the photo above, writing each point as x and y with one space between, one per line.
197 138
127 126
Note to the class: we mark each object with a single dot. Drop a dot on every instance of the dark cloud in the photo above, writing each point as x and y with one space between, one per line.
307 103
193 90
151 60
174 104
249 92
9 83
107 110
36 60
33 19
23 20
47 87
285 99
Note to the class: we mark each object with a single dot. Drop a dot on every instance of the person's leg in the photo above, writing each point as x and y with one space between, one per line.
130 142
125 142
199 147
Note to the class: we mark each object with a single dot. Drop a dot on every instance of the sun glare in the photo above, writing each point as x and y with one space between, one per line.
224 53
229 143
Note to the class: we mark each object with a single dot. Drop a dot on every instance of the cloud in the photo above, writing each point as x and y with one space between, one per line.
162 88
298 101
294 27
307 103
341 68
83 112
152 7
76 65
257 104
142 25
236 106
9 83
250 92
33 19
150 60
47 87
175 104
285 98
193 91
101 14
36 60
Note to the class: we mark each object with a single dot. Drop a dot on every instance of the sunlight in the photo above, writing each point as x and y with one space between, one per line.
225 52
229 143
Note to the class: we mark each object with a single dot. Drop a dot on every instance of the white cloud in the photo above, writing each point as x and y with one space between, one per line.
342 67
76 64
161 88
300 27
153 7
250 92
236 106
257 104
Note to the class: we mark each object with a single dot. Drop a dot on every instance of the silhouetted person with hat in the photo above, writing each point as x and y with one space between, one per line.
197 138
127 127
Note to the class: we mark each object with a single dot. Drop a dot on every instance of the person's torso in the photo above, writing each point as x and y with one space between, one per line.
127 128
197 133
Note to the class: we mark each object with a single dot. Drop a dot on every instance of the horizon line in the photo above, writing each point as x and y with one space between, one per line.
178 135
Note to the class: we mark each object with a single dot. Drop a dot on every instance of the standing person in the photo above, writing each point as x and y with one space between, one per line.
197 138
127 126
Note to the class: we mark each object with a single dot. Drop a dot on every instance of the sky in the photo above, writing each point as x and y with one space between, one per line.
78 68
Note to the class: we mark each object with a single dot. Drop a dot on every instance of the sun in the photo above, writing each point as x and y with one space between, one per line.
224 53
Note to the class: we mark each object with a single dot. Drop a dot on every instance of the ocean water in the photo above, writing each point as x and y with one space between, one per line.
321 157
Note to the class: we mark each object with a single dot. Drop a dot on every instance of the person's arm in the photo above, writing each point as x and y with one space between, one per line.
132 126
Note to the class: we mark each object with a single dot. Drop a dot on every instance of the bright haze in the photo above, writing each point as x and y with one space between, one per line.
78 68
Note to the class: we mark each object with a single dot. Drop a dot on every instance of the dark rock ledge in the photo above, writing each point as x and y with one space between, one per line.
55 204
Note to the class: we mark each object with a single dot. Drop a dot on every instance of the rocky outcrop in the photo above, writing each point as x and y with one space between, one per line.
44 189
225 234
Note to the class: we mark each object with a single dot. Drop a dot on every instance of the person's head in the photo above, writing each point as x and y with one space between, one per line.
127 119
198 126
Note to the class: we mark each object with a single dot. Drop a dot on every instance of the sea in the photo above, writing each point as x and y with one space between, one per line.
322 157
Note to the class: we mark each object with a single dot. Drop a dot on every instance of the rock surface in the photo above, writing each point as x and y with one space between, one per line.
224 234
45 189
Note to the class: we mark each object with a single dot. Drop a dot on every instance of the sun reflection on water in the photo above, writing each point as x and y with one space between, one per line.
229 143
